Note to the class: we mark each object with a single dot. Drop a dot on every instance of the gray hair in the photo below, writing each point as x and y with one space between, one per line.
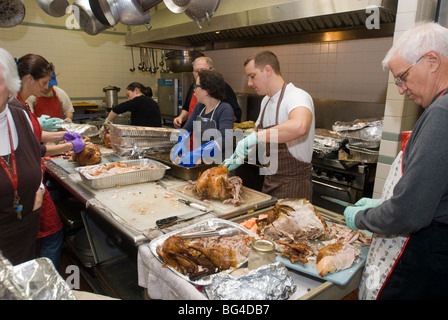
208 60
417 41
10 73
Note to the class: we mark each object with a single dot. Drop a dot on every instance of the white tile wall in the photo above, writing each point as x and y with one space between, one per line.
345 70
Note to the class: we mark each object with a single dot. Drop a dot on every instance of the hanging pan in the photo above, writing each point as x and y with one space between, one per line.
12 13
55 8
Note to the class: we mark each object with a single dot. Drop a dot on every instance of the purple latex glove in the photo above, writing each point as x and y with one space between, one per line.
78 145
69 136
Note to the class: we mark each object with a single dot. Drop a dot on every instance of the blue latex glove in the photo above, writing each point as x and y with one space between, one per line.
49 124
69 136
180 147
361 204
207 150
78 145
241 152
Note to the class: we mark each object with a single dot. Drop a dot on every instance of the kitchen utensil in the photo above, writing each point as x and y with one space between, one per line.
166 222
13 13
181 60
340 202
148 4
192 204
176 6
110 11
131 12
111 96
141 64
87 19
133 65
224 232
201 10
55 8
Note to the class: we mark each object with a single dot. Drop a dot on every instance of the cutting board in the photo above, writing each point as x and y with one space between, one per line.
142 205
253 200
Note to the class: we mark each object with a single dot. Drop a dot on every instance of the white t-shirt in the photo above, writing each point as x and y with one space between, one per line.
301 148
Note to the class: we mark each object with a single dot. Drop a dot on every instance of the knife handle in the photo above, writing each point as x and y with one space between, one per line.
163 223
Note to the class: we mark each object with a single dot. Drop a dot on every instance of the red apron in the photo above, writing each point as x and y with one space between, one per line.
49 106
50 222
193 103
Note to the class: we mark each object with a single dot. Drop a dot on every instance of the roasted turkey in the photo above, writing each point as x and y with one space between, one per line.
106 136
214 183
89 156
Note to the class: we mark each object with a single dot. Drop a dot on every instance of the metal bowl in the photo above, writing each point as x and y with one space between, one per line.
55 8
181 60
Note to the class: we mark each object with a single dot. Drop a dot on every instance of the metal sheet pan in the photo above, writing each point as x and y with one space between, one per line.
127 178
200 226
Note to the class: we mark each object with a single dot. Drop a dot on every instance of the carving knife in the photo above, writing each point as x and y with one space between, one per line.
339 202
166 222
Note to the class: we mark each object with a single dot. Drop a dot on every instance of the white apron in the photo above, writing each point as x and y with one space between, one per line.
385 249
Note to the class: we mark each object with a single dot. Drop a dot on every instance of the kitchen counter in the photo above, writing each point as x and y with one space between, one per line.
149 272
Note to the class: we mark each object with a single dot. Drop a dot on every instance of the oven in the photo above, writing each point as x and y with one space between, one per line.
336 179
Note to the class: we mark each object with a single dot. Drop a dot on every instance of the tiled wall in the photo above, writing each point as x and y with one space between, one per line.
343 70
400 113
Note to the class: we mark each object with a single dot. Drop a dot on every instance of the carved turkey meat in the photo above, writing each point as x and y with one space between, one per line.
214 183
335 257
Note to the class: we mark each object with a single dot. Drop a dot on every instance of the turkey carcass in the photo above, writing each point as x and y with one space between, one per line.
89 156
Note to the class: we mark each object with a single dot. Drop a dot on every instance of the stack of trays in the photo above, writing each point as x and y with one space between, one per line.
125 138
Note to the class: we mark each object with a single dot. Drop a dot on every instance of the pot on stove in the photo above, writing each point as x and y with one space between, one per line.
111 96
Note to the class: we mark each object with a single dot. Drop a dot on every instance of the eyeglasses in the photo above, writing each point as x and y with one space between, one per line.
400 79
195 86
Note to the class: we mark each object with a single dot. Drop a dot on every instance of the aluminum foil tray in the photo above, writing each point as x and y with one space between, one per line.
213 223
136 131
126 152
123 179
141 141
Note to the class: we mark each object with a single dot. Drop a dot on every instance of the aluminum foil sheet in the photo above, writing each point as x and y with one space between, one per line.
86 130
32 280
269 282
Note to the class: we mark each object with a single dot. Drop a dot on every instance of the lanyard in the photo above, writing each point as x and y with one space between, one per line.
11 172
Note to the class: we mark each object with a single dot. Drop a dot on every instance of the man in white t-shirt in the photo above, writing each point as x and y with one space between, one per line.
286 125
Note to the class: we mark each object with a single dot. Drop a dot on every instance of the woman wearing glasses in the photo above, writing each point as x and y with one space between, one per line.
211 123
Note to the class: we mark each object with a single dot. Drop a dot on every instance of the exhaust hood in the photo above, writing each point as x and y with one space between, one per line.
248 23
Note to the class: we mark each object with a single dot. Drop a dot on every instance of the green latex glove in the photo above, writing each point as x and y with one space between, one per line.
361 204
49 124
367 203
241 152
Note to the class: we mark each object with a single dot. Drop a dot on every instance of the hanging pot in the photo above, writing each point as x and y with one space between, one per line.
176 6
55 8
86 18
148 4
131 12
110 11
181 60
13 12
201 10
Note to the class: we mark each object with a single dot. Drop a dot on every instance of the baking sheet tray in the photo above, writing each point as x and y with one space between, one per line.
253 200
200 226
127 178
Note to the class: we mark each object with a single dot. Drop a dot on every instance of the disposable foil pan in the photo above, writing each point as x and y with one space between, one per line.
139 131
122 179
213 223
126 152
141 141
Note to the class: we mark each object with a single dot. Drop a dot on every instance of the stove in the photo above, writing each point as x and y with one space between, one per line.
341 180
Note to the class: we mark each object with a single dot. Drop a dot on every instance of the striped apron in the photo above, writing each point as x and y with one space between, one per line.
292 179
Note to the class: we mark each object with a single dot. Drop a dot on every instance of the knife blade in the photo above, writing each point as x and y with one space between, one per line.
167 222
340 202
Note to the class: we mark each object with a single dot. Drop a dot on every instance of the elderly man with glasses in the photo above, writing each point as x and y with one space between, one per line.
408 258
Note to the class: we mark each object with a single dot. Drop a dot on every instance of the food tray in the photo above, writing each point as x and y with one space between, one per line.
127 178
136 131
200 226
181 172
126 152
141 141
362 143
